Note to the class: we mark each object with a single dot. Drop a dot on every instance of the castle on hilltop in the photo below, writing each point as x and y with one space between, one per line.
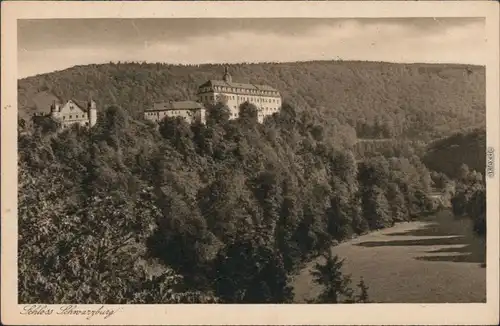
71 113
232 94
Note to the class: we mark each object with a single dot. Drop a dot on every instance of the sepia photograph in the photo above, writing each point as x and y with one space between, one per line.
232 161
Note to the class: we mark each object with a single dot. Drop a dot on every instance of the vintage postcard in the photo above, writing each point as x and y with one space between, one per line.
250 163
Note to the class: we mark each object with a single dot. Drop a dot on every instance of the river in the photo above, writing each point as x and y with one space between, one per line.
434 260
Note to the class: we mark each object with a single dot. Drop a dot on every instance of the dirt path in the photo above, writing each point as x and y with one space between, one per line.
437 260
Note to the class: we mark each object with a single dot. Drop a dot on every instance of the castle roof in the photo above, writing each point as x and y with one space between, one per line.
77 103
82 105
223 83
176 105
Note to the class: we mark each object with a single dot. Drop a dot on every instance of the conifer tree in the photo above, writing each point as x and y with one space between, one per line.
362 297
336 284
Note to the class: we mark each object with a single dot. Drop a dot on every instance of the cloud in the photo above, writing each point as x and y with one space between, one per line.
373 40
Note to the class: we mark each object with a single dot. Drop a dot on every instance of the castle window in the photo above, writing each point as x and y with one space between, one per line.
71 117
64 118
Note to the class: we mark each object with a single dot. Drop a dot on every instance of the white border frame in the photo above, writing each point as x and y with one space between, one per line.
296 314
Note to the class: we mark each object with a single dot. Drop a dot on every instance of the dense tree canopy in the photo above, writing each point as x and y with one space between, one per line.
470 198
223 211
226 211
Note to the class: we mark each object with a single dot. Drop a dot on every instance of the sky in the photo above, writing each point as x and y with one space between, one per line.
55 44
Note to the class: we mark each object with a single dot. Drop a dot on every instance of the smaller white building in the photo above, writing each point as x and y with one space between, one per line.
191 111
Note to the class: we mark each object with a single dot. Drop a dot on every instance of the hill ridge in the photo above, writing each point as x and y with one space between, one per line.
449 64
413 100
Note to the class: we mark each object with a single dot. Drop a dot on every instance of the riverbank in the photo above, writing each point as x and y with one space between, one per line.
437 259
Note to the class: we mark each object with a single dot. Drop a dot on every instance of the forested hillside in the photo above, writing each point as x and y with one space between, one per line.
126 212
459 165
379 100
449 154
129 213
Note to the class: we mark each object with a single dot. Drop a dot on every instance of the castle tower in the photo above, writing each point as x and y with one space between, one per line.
55 110
227 77
92 113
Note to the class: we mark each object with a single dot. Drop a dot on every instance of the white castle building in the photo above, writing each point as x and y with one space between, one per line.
266 98
71 113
